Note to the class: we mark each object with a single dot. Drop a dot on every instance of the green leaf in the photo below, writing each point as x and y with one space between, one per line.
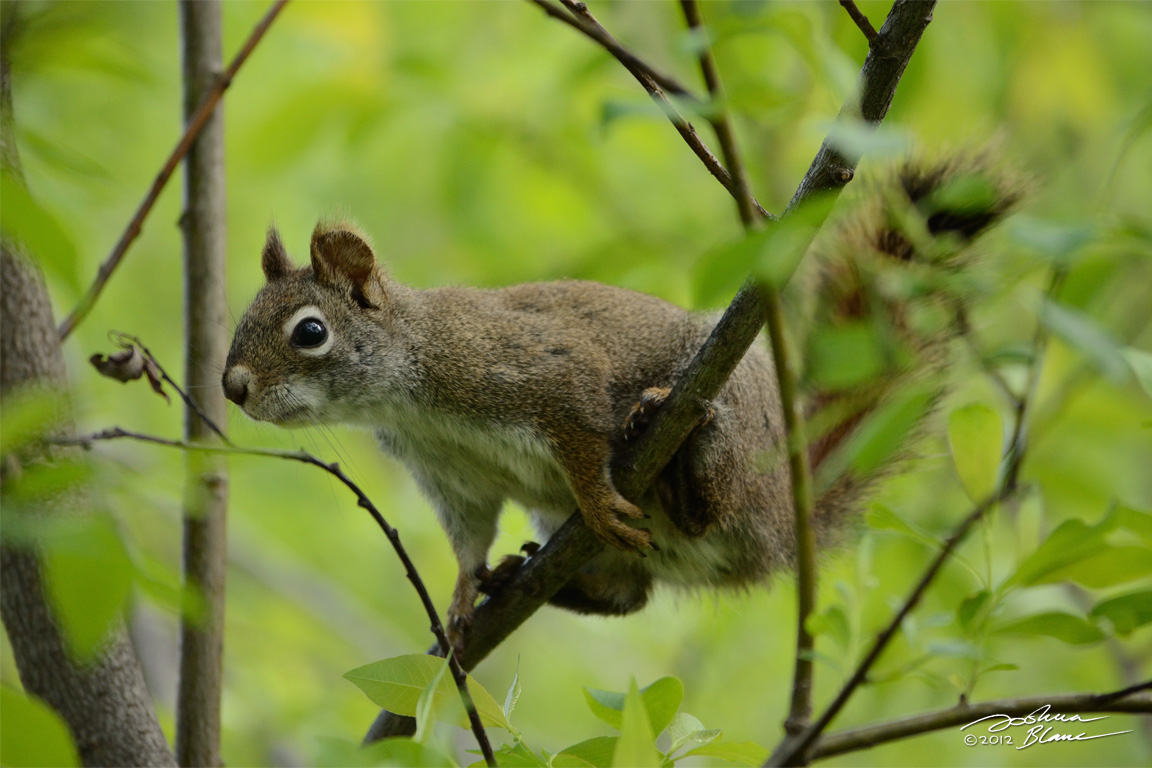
1072 541
399 752
89 577
743 752
1126 612
882 434
661 700
770 253
597 752
395 684
32 734
857 138
513 694
1058 242
976 436
1109 567
636 746
426 703
24 220
971 607
1139 523
685 728
832 621
1062 626
27 416
1085 335
517 756
844 356
957 649
1141 364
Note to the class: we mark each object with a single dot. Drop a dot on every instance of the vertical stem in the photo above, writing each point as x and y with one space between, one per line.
786 376
205 316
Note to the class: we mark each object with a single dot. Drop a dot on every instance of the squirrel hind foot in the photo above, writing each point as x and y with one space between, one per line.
492 580
641 414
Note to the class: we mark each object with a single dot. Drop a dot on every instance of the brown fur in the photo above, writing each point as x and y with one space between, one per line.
521 392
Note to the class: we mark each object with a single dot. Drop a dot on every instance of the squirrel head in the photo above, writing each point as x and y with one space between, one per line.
318 344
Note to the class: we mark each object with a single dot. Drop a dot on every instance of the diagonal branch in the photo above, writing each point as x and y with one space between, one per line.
458 674
655 84
793 750
552 566
1132 700
783 359
194 125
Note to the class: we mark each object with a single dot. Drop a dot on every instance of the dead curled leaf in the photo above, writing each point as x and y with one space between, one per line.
128 365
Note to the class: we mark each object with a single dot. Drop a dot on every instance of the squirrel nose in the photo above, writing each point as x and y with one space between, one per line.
236 384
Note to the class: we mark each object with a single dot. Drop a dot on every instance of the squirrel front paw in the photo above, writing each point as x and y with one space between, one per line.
459 619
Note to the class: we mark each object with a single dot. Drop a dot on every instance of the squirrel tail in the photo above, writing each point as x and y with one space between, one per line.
885 301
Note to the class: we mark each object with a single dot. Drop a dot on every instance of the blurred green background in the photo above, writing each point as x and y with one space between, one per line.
481 143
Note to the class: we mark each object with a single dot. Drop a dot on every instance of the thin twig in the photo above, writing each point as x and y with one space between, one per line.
786 376
794 750
860 19
191 131
566 550
841 742
127 340
582 19
458 674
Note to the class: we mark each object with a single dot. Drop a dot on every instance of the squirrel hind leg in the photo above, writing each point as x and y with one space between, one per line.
602 589
677 489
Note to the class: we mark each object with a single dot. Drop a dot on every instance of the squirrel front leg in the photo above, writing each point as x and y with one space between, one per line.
471 528
586 459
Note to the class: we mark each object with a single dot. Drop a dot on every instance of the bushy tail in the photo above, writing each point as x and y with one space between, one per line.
882 301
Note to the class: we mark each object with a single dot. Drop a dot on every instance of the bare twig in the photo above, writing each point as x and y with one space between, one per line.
860 19
192 129
362 500
794 750
573 544
127 340
786 376
841 742
582 19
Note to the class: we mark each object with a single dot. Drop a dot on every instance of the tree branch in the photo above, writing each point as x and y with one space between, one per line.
1127 701
103 700
193 126
793 750
205 561
362 500
543 574
582 19
786 376
860 19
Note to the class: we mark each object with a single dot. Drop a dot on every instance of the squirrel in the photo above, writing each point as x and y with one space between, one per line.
526 392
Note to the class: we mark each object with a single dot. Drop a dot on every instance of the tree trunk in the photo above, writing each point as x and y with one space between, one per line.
206 345
104 702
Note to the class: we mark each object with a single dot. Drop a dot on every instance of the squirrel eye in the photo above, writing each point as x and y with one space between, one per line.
309 332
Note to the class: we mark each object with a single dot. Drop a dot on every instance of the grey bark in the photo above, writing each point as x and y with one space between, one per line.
206 345
104 702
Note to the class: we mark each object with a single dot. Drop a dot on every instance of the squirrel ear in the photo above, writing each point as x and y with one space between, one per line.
341 255
275 259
